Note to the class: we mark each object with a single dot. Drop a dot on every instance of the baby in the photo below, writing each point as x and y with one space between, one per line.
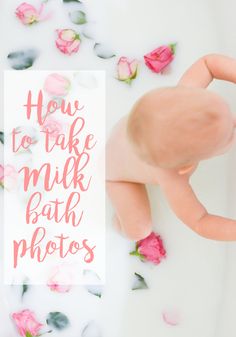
167 132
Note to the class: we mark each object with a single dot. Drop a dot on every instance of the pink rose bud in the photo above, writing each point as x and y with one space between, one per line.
8 177
28 14
159 58
150 249
57 85
26 323
53 127
126 69
68 41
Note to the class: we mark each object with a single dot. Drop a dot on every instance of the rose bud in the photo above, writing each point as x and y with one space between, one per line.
126 69
53 127
28 14
26 323
159 58
150 249
57 85
67 41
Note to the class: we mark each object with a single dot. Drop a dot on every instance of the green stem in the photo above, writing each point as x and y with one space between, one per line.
135 253
173 47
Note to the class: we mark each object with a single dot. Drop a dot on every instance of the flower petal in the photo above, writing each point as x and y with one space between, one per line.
92 283
78 17
139 282
2 137
103 51
89 31
171 317
22 59
57 320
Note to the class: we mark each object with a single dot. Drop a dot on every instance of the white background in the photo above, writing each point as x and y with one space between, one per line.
198 276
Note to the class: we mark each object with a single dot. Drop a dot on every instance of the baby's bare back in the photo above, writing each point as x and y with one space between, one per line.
124 168
122 164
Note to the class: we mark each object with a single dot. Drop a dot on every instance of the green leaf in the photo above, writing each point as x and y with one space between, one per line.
78 17
91 277
139 282
57 320
102 51
22 59
134 253
25 288
28 334
2 137
95 290
86 35
91 330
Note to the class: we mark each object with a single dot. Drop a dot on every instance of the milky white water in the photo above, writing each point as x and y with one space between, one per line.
198 277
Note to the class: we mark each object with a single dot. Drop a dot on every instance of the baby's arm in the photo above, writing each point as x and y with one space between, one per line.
131 204
208 67
188 209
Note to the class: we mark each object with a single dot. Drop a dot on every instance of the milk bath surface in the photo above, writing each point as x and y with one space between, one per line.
191 292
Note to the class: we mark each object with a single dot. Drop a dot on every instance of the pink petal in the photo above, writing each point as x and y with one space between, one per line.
1 172
74 47
41 8
171 317
124 71
133 66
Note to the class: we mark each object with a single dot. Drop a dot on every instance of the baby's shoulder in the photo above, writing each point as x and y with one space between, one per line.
117 134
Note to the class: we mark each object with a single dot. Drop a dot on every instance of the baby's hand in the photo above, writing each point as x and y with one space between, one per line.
216 227
188 209
208 67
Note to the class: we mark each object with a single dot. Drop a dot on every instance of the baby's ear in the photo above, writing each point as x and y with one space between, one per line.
185 169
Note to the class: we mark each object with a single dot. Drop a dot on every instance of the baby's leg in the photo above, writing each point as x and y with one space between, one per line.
133 214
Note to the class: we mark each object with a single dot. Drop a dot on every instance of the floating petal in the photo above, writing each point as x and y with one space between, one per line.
103 51
22 59
78 17
91 330
139 282
57 320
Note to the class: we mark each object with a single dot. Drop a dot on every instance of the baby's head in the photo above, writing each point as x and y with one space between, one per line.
176 127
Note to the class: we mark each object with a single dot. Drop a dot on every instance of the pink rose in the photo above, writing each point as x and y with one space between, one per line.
159 58
56 85
8 177
53 127
150 249
28 14
126 69
68 41
60 280
26 323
